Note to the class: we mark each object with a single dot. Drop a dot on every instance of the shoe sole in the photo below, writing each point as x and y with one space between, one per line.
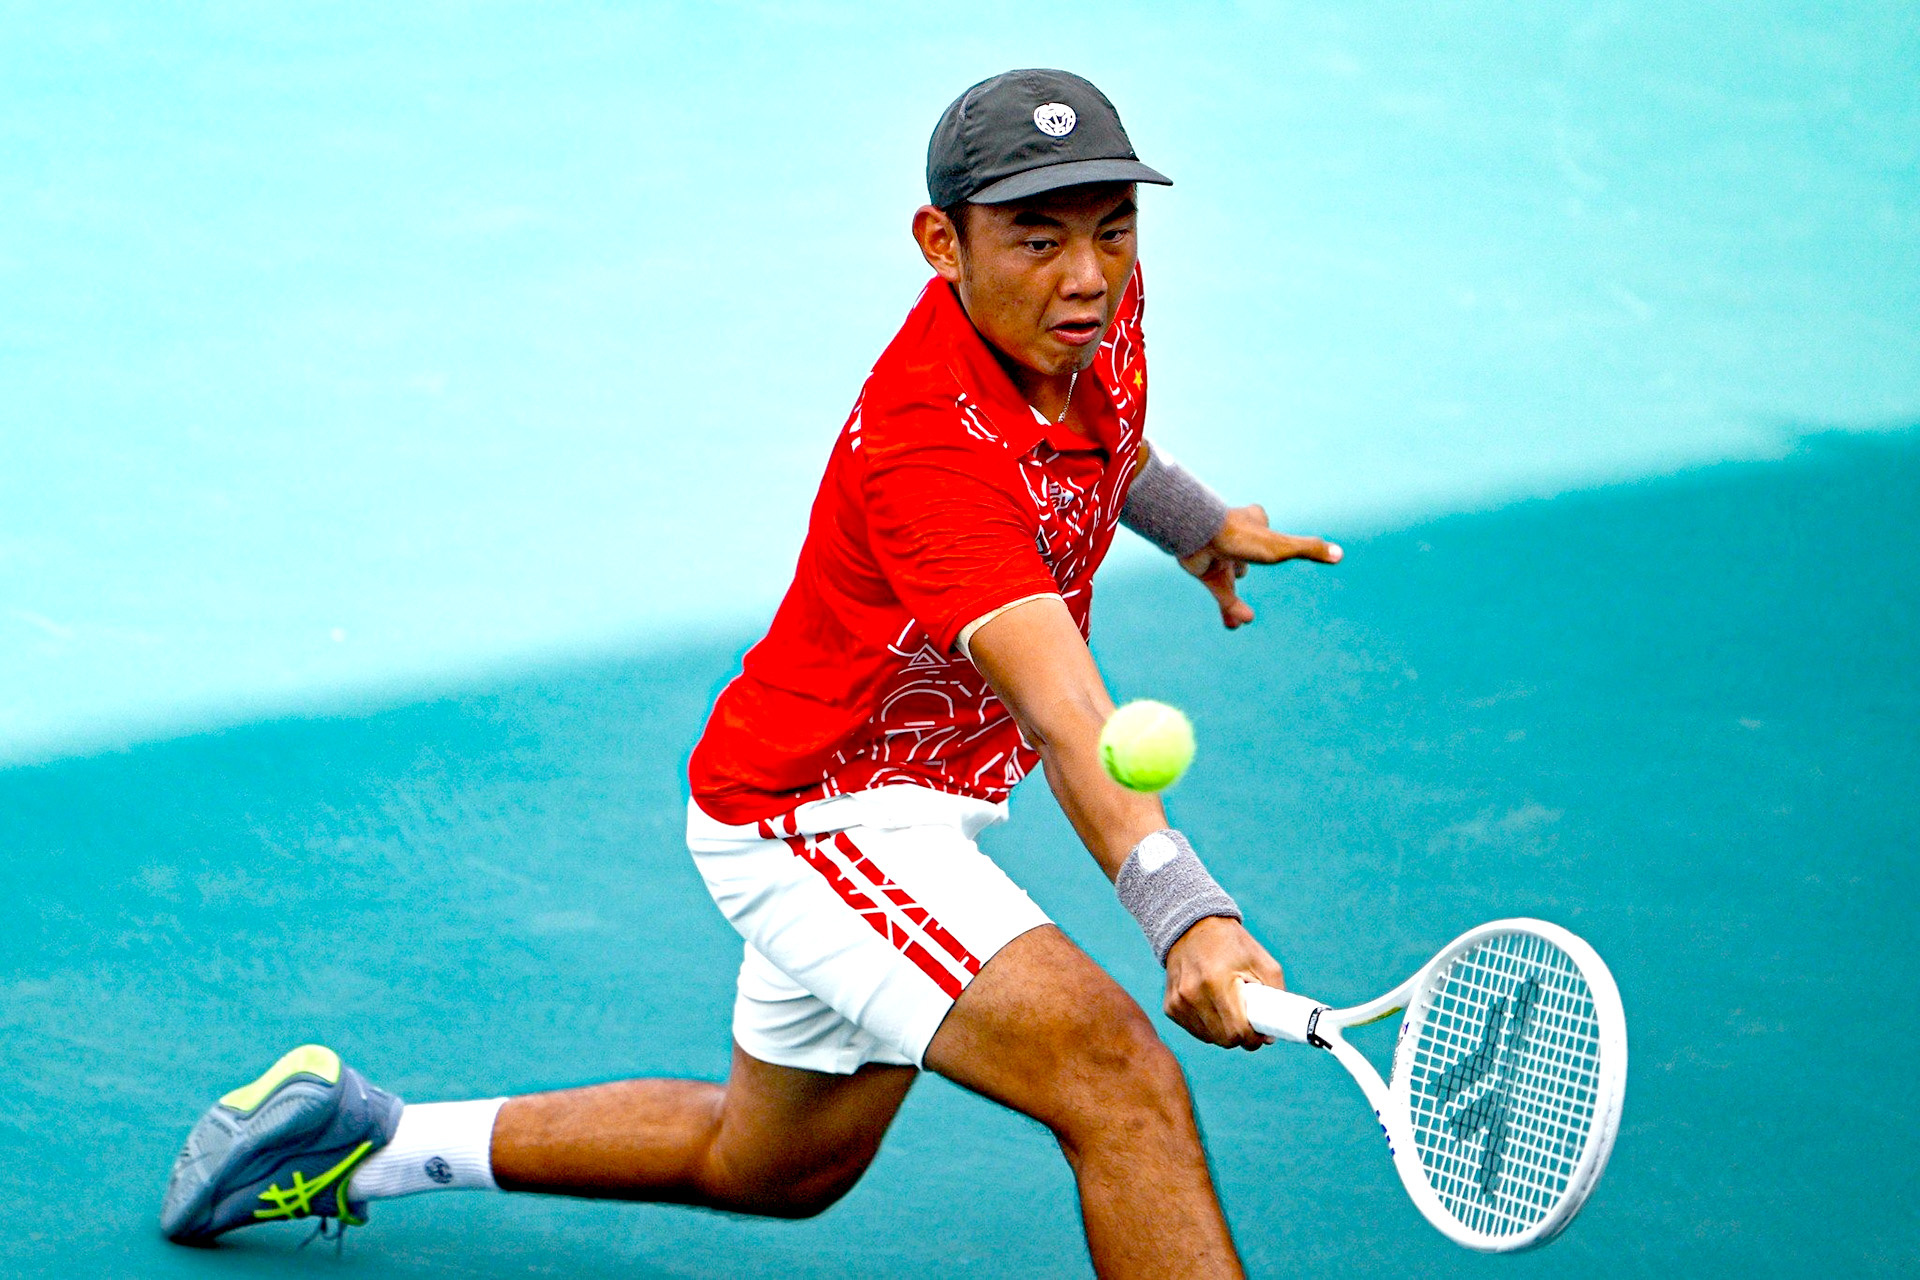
292 1097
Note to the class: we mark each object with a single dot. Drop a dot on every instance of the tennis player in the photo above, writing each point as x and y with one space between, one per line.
931 650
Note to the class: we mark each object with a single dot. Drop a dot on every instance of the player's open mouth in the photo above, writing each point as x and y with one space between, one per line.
1076 332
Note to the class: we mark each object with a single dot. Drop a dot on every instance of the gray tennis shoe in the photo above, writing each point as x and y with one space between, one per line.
281 1148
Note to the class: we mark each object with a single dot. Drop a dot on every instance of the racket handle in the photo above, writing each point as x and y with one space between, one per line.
1282 1014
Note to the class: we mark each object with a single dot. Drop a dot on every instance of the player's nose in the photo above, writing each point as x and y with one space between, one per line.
1081 277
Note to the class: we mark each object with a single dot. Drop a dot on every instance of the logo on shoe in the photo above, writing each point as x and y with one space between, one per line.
1055 119
439 1170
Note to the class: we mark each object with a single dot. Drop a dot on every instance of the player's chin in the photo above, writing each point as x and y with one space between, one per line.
1053 357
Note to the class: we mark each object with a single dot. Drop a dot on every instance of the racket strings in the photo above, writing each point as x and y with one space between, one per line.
1504 1080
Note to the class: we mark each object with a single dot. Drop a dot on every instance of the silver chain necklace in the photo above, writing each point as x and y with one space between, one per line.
1072 378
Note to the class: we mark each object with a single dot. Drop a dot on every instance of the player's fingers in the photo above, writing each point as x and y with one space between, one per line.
1187 1018
1231 1009
1318 549
1217 1015
1219 1006
1220 580
1261 970
1192 1004
1247 536
1240 992
1286 546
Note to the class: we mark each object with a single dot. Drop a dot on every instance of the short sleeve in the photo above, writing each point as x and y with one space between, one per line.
951 531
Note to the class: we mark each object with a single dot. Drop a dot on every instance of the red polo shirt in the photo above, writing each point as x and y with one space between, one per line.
944 499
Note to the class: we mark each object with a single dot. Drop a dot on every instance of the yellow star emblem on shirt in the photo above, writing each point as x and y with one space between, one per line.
1139 380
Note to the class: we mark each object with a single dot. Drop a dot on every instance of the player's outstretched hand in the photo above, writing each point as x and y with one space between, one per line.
1204 971
1245 539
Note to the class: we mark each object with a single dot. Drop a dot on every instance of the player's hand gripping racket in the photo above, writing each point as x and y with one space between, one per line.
1507 1078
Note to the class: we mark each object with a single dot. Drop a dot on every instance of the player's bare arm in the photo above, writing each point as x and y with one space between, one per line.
1041 669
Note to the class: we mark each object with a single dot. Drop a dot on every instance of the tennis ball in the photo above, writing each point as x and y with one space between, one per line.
1146 745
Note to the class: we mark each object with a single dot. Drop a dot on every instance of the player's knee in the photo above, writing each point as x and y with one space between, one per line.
1117 1074
818 1190
814 1195
1152 1091
800 1193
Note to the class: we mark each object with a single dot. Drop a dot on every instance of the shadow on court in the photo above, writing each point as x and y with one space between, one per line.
1676 716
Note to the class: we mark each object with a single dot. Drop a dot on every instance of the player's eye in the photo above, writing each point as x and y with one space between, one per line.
1038 245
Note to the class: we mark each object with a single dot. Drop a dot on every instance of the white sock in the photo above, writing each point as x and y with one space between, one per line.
439 1146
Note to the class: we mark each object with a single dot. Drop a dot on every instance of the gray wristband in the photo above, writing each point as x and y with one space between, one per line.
1169 507
1163 884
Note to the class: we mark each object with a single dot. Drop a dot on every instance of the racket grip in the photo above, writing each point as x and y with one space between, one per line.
1282 1014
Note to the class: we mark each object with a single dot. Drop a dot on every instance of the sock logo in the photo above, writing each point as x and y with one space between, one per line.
439 1170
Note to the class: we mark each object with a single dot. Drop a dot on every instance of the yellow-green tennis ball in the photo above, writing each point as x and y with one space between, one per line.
1146 745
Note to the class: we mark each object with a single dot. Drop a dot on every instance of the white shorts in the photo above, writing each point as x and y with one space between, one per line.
865 915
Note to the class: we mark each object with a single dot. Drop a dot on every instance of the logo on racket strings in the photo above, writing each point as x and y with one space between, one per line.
1476 1092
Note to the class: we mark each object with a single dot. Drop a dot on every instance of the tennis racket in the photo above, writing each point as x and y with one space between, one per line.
1507 1078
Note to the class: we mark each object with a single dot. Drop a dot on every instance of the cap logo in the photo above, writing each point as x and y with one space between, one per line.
1055 119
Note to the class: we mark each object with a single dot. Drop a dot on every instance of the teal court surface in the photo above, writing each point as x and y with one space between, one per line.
1676 716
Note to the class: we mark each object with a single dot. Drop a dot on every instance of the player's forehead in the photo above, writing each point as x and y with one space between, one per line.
1089 202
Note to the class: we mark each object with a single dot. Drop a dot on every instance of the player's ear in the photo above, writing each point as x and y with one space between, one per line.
939 242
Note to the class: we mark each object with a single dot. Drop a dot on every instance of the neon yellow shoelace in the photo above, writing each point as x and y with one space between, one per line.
297 1201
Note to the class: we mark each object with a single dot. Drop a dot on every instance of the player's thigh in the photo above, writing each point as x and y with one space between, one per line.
804 1134
1046 1031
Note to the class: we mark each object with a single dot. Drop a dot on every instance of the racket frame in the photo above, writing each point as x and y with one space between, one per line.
1300 1020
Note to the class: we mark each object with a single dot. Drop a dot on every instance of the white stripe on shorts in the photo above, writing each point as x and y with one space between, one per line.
876 906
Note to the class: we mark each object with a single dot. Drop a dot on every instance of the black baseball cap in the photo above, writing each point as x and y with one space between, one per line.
1025 132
